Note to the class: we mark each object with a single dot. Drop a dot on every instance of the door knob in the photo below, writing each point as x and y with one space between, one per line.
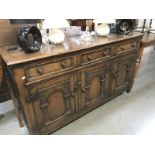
40 71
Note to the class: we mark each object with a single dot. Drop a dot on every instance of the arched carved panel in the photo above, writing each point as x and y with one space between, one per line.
56 104
122 77
95 88
122 72
95 84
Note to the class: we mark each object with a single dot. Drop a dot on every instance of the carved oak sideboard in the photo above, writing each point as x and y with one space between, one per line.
57 85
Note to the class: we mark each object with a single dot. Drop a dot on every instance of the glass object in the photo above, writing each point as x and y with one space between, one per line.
87 36
103 29
44 36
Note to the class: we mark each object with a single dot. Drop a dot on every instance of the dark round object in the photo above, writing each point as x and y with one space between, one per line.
29 39
124 25
1 116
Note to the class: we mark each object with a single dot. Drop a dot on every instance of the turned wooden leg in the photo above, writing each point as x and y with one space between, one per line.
1 116
129 90
138 61
143 27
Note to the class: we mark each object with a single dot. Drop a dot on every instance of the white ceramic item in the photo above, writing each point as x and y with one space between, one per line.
103 30
56 36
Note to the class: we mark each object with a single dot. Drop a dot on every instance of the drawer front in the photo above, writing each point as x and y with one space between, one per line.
127 46
48 68
96 54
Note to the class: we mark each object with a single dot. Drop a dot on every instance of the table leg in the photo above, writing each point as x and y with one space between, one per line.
138 60
137 66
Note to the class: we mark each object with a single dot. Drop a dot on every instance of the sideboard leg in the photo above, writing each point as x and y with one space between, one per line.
128 90
138 61
2 116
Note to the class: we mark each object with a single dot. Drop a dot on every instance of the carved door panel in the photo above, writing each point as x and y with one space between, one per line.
122 72
94 84
53 100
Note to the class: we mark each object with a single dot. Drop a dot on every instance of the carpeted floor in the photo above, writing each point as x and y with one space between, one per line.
132 113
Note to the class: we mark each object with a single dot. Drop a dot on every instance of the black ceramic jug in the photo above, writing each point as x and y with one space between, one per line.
29 39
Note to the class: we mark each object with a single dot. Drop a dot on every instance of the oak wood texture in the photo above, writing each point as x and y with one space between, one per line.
8 32
70 45
1 73
15 104
8 36
59 84
147 40
79 22
83 23
4 93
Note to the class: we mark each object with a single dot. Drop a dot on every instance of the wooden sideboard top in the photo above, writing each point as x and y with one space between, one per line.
71 44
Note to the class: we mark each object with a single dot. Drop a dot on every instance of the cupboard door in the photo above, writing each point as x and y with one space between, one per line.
122 72
94 84
53 100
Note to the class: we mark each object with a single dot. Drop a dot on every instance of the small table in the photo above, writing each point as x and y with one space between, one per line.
147 40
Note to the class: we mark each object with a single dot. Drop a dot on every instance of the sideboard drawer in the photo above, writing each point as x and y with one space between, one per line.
47 68
96 54
126 46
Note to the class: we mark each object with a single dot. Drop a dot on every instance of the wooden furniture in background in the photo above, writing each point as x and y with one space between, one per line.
4 92
57 85
8 33
1 73
83 23
147 40
79 22
8 36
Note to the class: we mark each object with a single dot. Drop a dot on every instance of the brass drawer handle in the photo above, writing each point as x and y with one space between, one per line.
63 64
40 71
122 49
84 88
67 95
103 80
105 53
89 58
115 75
73 94
133 45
